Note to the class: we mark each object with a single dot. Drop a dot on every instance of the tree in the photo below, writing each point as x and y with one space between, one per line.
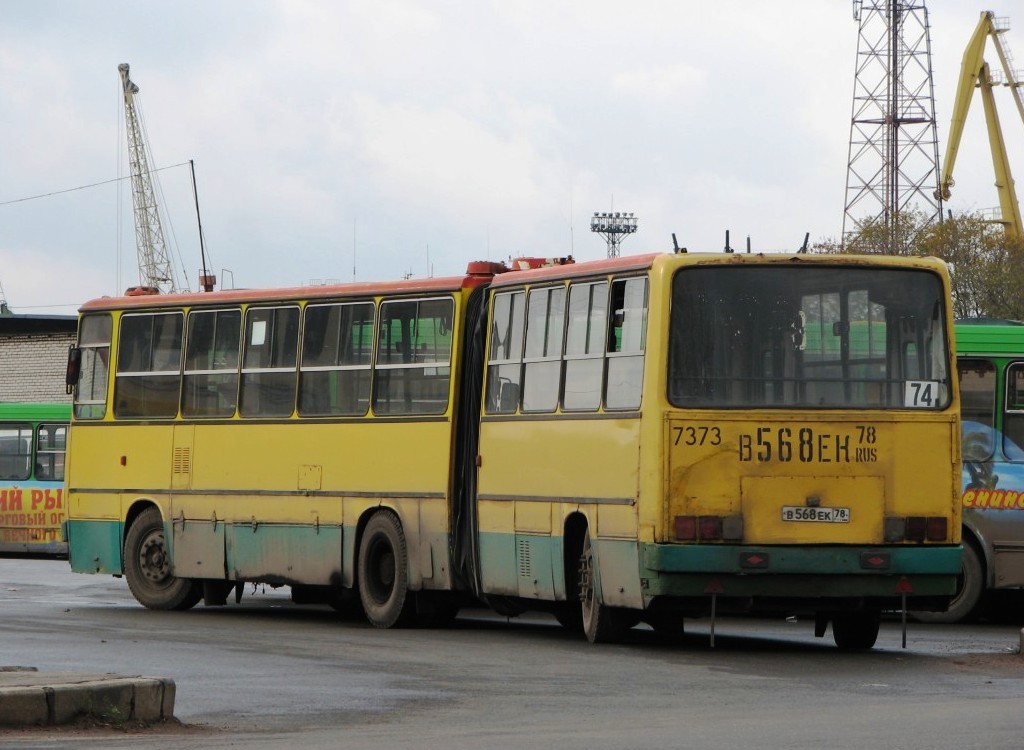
986 268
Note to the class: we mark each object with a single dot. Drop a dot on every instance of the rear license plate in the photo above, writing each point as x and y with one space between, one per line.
815 515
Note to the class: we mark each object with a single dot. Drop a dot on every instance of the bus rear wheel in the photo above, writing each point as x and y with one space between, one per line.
384 572
147 567
856 631
601 623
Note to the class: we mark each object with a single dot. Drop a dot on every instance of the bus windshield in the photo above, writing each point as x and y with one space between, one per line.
810 337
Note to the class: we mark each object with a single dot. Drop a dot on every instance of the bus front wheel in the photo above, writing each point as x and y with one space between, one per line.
147 567
383 572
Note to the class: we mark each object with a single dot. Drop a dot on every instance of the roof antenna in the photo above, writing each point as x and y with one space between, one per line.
675 245
207 280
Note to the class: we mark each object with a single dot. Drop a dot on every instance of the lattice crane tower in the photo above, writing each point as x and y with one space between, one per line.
155 269
894 150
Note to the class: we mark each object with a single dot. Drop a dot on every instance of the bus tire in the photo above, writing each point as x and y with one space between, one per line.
147 567
856 631
601 623
666 624
384 573
970 588
570 617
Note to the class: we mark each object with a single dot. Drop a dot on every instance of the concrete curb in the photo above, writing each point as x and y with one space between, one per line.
32 698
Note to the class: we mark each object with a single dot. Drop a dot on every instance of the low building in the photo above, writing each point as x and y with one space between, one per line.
34 355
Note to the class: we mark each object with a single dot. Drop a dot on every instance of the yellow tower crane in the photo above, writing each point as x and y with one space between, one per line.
974 73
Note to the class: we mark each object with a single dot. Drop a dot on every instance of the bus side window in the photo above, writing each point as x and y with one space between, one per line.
270 357
149 365
542 357
504 365
337 344
90 393
585 346
51 443
627 338
211 364
977 408
1013 418
412 374
15 451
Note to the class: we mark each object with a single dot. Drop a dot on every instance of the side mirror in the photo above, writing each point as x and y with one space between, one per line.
74 368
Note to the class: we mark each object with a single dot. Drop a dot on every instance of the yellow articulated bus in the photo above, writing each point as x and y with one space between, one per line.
638 439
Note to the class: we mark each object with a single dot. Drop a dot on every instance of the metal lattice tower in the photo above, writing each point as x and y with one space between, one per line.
155 269
894 150
613 227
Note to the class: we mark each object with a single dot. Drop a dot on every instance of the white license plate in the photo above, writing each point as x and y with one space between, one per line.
815 515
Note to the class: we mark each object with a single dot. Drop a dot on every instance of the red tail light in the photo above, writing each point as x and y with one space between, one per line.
684 528
937 530
709 528
916 528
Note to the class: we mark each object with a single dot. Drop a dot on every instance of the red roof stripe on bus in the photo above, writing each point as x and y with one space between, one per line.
586 268
281 294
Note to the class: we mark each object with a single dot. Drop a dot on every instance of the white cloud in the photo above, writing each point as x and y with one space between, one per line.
662 82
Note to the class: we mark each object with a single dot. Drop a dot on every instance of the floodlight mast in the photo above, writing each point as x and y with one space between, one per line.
155 271
613 226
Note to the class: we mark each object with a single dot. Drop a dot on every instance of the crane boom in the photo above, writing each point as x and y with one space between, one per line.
974 72
155 269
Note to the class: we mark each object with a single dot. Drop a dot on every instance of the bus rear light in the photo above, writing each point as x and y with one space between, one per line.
709 528
684 528
895 528
916 528
732 528
936 530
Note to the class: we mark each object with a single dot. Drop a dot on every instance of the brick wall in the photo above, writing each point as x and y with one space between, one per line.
32 367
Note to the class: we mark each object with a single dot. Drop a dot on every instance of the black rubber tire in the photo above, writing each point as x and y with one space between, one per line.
856 631
601 623
147 567
441 615
570 617
966 603
667 624
384 573
348 607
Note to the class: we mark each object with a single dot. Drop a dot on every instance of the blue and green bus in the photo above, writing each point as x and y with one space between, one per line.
33 440
990 362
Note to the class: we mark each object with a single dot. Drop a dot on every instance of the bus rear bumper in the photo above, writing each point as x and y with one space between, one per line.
878 573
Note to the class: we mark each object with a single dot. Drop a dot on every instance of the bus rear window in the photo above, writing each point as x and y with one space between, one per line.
824 337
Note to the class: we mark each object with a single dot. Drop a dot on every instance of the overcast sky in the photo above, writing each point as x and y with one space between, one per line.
394 137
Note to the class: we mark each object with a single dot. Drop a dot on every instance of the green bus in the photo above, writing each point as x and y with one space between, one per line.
990 362
33 440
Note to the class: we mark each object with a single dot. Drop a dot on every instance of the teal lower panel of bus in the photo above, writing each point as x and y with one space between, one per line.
276 553
94 546
696 570
527 565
